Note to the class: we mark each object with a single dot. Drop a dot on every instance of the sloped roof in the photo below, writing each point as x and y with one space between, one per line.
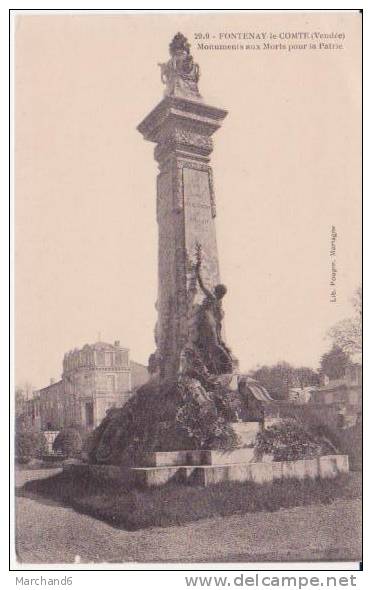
100 344
258 391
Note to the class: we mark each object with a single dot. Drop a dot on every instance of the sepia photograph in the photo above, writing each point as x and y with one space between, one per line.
187 288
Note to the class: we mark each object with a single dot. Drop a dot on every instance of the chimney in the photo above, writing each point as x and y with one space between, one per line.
117 343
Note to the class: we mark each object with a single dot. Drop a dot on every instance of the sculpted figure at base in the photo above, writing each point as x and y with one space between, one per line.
216 355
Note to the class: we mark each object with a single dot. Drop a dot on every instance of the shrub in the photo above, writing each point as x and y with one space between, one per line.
88 441
207 424
288 440
30 445
180 415
68 442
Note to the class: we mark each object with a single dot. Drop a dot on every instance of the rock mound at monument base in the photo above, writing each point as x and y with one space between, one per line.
181 415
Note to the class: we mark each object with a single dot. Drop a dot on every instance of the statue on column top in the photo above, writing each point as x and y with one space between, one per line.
180 74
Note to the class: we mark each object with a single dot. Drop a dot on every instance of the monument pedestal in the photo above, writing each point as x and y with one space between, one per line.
186 209
236 465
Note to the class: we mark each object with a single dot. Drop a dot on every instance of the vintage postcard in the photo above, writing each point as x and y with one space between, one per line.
188 297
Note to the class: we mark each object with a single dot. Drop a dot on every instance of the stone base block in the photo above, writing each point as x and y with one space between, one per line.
179 458
246 431
165 459
243 455
325 466
207 474
212 474
332 465
157 476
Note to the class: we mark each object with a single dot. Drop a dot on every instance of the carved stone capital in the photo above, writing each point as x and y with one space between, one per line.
179 141
180 113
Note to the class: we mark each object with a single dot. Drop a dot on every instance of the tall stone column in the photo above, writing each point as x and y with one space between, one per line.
181 126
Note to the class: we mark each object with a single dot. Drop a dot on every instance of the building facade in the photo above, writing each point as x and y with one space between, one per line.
346 390
95 378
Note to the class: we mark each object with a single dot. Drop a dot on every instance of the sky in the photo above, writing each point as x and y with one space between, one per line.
286 168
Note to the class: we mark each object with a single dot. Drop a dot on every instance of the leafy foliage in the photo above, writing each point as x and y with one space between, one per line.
279 378
30 445
305 377
207 423
288 440
347 334
334 362
68 442
24 423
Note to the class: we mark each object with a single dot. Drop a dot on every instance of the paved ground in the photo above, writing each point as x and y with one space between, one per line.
49 533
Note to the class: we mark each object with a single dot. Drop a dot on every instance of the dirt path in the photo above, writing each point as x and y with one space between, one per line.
49 533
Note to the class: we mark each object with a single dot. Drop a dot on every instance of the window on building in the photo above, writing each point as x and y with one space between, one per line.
108 359
110 382
89 417
100 358
121 358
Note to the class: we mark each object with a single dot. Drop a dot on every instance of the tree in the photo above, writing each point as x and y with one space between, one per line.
23 423
20 401
23 393
347 334
68 442
288 440
276 379
279 378
305 377
25 389
334 362
30 445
